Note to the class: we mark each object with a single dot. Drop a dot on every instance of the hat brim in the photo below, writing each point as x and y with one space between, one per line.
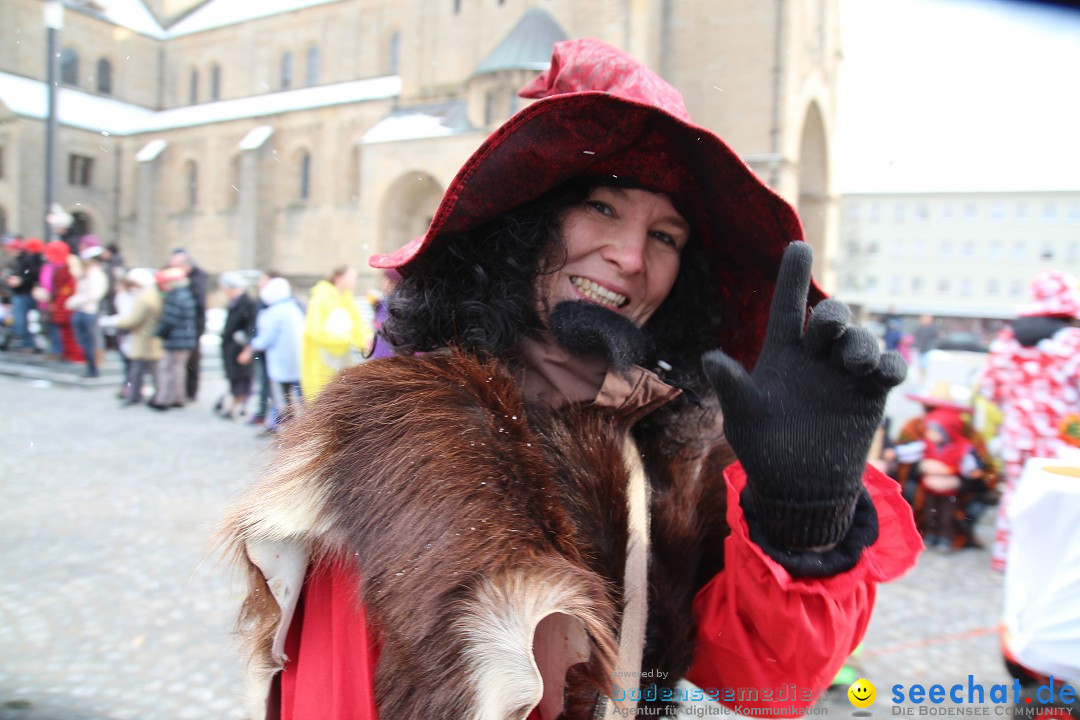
938 403
744 225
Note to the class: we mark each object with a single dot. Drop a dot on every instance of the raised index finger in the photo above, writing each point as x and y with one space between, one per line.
788 312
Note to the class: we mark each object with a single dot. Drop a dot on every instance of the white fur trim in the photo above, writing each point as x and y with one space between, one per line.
500 626
284 565
635 577
288 504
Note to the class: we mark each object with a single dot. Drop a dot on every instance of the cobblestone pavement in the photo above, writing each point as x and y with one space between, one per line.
113 605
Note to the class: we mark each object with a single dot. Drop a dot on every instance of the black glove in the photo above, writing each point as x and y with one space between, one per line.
802 423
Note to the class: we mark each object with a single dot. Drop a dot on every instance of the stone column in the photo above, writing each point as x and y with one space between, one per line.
253 229
149 248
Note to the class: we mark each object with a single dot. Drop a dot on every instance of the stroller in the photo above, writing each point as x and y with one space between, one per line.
1041 630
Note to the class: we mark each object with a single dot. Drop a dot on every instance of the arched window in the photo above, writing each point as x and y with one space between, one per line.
395 53
286 70
312 69
69 66
104 76
215 82
193 87
191 175
305 175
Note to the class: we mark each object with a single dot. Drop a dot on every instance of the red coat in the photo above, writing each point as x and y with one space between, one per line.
435 523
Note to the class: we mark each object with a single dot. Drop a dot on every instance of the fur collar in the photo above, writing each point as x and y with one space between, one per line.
475 517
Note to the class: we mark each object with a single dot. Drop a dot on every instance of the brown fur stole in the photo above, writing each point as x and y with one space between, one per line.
470 515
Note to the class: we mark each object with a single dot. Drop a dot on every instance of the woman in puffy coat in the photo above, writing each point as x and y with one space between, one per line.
566 494
279 329
177 329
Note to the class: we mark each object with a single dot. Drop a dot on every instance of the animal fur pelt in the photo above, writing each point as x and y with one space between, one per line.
471 516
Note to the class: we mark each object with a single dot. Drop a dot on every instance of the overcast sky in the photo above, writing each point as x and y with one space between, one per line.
958 95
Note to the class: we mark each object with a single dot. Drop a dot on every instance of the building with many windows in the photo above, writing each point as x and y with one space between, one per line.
959 255
300 134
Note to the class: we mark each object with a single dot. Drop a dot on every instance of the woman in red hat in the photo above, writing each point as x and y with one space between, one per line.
64 283
49 281
565 494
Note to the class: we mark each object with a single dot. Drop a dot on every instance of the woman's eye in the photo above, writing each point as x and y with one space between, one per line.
600 207
665 238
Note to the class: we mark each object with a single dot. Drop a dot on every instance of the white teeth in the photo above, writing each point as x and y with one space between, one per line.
598 294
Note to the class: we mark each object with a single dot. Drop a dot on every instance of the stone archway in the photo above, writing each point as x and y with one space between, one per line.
816 205
408 208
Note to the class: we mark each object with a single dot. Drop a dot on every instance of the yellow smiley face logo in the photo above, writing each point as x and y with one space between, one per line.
862 693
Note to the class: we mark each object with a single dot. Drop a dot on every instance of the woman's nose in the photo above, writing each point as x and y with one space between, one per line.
627 251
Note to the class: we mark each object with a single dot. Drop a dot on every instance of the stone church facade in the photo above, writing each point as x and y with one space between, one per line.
303 134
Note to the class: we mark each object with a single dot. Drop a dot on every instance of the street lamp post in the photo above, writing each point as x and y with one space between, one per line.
54 22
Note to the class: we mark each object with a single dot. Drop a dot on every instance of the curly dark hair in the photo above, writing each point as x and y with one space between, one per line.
477 292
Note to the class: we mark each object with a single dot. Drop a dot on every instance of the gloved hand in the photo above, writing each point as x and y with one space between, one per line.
802 423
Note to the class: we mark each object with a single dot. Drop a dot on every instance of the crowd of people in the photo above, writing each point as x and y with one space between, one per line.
278 349
67 286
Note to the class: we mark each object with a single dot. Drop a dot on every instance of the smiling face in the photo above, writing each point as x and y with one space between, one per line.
623 248
862 693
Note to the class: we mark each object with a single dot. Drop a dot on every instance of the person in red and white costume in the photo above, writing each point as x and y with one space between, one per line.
1033 375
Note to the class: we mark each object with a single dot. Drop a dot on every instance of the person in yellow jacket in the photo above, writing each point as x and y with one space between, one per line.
333 325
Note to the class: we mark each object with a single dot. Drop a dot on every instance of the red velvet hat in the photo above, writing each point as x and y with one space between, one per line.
601 112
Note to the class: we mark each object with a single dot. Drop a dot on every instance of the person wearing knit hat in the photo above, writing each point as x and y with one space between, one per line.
1033 375
565 492
279 333
176 329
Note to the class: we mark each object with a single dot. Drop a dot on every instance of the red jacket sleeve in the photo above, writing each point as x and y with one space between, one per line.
767 639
